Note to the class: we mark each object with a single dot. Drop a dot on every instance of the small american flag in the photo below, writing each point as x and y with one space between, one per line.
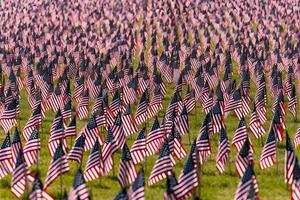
129 124
188 179
255 124
268 155
170 185
138 149
6 161
154 139
247 188
32 148
137 189
8 118
33 122
37 191
141 112
127 172
240 135
163 165
70 130
83 107
290 161
91 133
244 158
109 148
94 165
203 143
20 176
79 189
77 150
58 166
223 151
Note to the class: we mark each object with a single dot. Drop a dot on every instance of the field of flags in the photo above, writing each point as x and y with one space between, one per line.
132 100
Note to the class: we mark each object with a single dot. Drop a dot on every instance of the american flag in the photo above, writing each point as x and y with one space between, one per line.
203 143
156 103
55 100
20 176
16 146
154 139
290 161
129 124
70 130
188 179
170 185
118 131
240 135
255 124
56 134
79 88
58 166
182 121
278 124
116 102
295 188
91 133
247 188
37 191
137 189
268 154
297 138
6 161
67 109
189 100
83 107
138 149
175 146
141 112
235 103
292 105
163 165
217 117
79 189
77 150
127 171
32 148
244 158
109 148
223 151
8 118
94 165
33 122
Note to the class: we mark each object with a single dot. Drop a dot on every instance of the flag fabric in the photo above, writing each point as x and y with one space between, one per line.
118 131
244 158
58 166
203 141
77 150
109 148
129 124
223 151
188 179
91 133
141 113
247 188
33 122
6 158
182 121
8 117
70 131
57 136
37 191
255 124
290 161
170 185
127 171
138 149
20 176
94 165
137 189
268 154
154 139
163 165
16 146
122 195
79 189
240 135
32 148
83 107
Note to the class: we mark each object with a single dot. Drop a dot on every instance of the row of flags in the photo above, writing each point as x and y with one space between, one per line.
97 66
